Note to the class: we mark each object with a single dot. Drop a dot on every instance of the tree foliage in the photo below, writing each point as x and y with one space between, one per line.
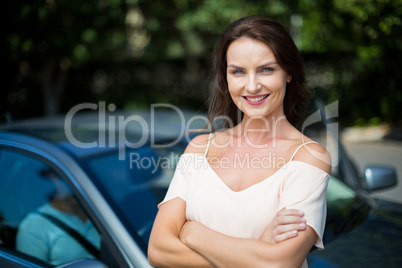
46 38
135 52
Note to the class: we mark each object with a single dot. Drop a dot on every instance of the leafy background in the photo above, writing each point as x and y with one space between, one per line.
132 53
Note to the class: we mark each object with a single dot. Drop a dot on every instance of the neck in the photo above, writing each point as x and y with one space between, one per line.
62 206
263 129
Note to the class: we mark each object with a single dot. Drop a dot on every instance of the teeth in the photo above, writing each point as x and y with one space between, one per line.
256 99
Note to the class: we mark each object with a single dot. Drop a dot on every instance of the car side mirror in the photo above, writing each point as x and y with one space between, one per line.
84 263
379 177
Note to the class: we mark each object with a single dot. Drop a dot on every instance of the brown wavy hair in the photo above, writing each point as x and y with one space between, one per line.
286 53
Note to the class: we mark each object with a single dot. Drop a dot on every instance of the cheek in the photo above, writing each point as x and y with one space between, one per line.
275 83
234 92
233 87
234 97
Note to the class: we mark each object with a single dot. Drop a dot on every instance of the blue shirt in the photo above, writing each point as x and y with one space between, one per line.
39 237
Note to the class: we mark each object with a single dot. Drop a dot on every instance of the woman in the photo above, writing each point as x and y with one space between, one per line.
235 190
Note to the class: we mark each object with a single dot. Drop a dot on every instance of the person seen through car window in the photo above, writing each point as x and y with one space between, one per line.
42 238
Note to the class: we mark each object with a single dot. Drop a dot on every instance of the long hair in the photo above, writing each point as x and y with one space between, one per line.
286 53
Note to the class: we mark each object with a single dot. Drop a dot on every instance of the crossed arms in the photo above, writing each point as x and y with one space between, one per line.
285 242
175 242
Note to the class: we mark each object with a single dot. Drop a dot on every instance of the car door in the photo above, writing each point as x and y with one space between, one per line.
42 223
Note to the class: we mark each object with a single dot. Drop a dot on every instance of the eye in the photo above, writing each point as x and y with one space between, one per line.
237 72
267 70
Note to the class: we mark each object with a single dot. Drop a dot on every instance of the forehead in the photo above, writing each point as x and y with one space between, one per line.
248 49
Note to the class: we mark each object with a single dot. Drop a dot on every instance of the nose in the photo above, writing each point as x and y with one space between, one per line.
253 86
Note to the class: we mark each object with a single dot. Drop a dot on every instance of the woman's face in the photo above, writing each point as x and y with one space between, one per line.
257 84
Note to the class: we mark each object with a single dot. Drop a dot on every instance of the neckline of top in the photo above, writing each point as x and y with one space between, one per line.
260 182
219 179
291 158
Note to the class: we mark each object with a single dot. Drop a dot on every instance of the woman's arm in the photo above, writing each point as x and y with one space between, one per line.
165 248
226 251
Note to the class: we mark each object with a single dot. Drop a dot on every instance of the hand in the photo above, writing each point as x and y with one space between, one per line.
285 225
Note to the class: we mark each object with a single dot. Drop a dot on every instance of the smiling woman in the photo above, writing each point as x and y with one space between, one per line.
222 212
286 55
255 78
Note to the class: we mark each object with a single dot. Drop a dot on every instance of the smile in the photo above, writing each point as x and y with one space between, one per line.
256 99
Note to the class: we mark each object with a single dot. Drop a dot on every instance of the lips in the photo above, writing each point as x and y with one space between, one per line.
255 100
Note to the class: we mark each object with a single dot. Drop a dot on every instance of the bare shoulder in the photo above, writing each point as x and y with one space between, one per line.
316 155
198 144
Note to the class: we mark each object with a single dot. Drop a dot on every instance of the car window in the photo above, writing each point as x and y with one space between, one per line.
340 198
39 214
134 186
337 190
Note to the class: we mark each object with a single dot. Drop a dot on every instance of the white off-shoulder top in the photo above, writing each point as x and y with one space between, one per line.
246 213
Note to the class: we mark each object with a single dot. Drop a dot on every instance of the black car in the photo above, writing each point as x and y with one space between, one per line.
361 231
117 176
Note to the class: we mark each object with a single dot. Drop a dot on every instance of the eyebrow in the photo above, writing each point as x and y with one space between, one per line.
258 67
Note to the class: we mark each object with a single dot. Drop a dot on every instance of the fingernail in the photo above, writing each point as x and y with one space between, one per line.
300 212
302 225
293 233
303 220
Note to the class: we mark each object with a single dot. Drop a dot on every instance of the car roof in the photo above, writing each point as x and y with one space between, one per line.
90 133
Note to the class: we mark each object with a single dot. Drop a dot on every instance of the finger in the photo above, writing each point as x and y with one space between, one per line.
288 228
289 219
284 236
290 212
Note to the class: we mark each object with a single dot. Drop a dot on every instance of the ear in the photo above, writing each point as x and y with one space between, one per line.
289 78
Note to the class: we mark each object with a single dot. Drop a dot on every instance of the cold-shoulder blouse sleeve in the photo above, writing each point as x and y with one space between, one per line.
185 170
304 188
